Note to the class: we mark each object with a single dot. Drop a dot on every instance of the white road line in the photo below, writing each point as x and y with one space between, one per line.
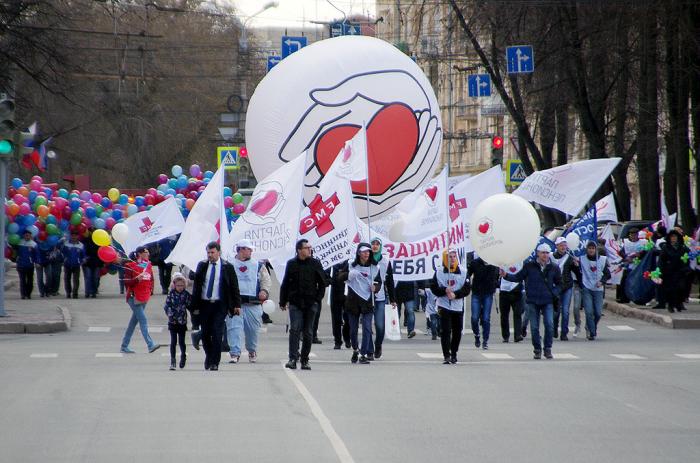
628 356
155 329
688 356
496 356
43 356
108 355
467 331
428 355
621 328
99 329
565 356
338 445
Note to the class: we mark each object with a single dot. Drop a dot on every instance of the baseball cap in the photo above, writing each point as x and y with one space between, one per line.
245 243
560 240
544 248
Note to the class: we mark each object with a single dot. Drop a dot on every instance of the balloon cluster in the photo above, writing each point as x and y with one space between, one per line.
654 275
49 213
648 246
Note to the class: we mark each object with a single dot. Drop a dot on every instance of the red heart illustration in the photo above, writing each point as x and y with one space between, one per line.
365 274
484 227
431 192
392 141
512 269
243 269
265 204
593 269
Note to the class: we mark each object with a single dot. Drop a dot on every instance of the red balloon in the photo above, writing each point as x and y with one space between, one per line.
107 254
43 235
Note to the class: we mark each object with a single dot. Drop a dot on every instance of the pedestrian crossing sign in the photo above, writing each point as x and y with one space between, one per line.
227 156
515 173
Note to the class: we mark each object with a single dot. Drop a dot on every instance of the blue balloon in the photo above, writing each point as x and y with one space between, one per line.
52 240
13 227
90 212
74 195
123 199
206 181
208 174
132 209
176 170
51 219
74 204
106 202
99 223
228 191
49 192
33 229
162 187
139 201
64 224
172 183
17 183
117 214
29 219
44 245
171 192
32 196
105 215
185 213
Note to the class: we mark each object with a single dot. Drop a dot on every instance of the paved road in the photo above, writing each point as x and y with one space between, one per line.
631 396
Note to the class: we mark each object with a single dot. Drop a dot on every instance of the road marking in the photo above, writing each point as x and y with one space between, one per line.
496 356
565 356
688 356
108 355
428 355
621 328
312 355
467 331
155 329
99 329
338 445
628 356
43 356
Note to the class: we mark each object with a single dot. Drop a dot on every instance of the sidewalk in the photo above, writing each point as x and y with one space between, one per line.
36 315
689 319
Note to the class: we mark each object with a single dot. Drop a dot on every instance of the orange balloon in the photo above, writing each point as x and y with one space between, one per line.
43 211
23 190
189 204
13 209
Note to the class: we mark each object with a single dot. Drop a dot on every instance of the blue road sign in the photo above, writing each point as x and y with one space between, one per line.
479 85
272 61
520 59
292 44
345 28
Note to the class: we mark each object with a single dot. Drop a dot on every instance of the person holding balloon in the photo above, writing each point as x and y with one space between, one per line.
138 279
73 257
27 257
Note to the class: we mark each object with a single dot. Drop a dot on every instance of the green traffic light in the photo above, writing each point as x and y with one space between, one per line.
5 147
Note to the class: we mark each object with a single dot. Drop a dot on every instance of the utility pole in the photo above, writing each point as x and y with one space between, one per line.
8 144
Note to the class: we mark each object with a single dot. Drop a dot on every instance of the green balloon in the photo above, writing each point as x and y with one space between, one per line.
13 239
237 198
52 229
76 218
99 210
40 201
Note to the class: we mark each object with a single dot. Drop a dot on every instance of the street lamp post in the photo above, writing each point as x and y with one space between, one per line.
243 43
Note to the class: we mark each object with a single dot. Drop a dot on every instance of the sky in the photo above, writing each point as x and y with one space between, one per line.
295 12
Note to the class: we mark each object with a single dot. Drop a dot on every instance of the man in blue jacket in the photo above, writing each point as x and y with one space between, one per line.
73 258
542 279
27 257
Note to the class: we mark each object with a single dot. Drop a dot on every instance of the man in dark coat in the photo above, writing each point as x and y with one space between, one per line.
215 293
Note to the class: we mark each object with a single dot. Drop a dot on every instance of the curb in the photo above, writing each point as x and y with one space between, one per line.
10 284
39 327
652 317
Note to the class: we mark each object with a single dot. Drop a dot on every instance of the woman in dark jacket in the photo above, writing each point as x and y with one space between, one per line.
363 282
674 270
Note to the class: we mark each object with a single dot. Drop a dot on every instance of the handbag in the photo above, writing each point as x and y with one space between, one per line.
391 323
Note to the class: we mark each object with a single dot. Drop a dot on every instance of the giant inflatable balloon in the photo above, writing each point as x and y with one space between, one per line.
319 97
504 229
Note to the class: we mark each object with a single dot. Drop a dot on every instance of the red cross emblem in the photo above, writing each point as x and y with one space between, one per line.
455 206
320 216
147 225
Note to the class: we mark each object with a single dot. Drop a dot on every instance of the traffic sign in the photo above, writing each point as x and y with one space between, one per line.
272 61
228 156
515 173
479 85
345 28
520 59
292 44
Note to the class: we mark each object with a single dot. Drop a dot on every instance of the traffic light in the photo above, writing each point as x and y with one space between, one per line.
496 150
7 126
243 152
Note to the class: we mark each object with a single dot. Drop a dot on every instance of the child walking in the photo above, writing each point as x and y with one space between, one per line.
176 306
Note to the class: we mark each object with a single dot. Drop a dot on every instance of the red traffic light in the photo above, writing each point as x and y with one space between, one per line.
497 142
243 152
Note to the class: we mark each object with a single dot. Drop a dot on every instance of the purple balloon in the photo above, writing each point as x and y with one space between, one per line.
195 170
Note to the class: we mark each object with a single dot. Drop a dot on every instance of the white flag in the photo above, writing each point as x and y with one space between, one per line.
271 220
567 188
329 221
153 225
201 226
353 157
605 209
669 220
612 249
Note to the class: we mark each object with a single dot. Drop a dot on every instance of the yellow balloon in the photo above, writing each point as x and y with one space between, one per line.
101 238
113 194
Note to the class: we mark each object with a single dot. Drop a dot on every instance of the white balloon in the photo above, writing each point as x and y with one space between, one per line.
269 306
317 98
504 228
573 241
120 233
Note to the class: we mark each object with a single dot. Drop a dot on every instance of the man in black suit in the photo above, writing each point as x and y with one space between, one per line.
215 294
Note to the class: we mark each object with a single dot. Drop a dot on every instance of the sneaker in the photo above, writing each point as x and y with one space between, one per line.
305 365
337 345
370 357
253 357
364 360
195 340
524 332
126 350
563 337
538 355
485 345
506 340
214 367
518 339
434 337
548 354
316 341
347 344
556 333
453 359
590 337
292 365
411 334
172 364
154 348
183 360
446 361
477 342
378 352
577 330
353 359
234 358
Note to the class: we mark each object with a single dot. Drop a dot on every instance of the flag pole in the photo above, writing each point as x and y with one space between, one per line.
369 223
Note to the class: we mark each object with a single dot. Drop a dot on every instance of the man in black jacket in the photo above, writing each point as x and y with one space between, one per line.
303 285
484 279
215 293
568 266
339 319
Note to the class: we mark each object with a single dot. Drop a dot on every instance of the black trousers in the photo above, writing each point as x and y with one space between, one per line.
620 294
450 331
213 327
177 336
339 321
301 326
26 281
164 273
317 320
71 281
511 300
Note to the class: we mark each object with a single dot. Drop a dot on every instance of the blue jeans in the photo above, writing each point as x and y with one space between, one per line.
410 307
92 277
366 320
547 312
248 323
434 324
44 279
565 302
378 324
138 315
481 312
593 307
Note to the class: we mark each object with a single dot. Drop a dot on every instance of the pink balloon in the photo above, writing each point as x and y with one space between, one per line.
38 178
162 178
238 209
109 222
96 198
35 185
228 201
24 209
152 191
